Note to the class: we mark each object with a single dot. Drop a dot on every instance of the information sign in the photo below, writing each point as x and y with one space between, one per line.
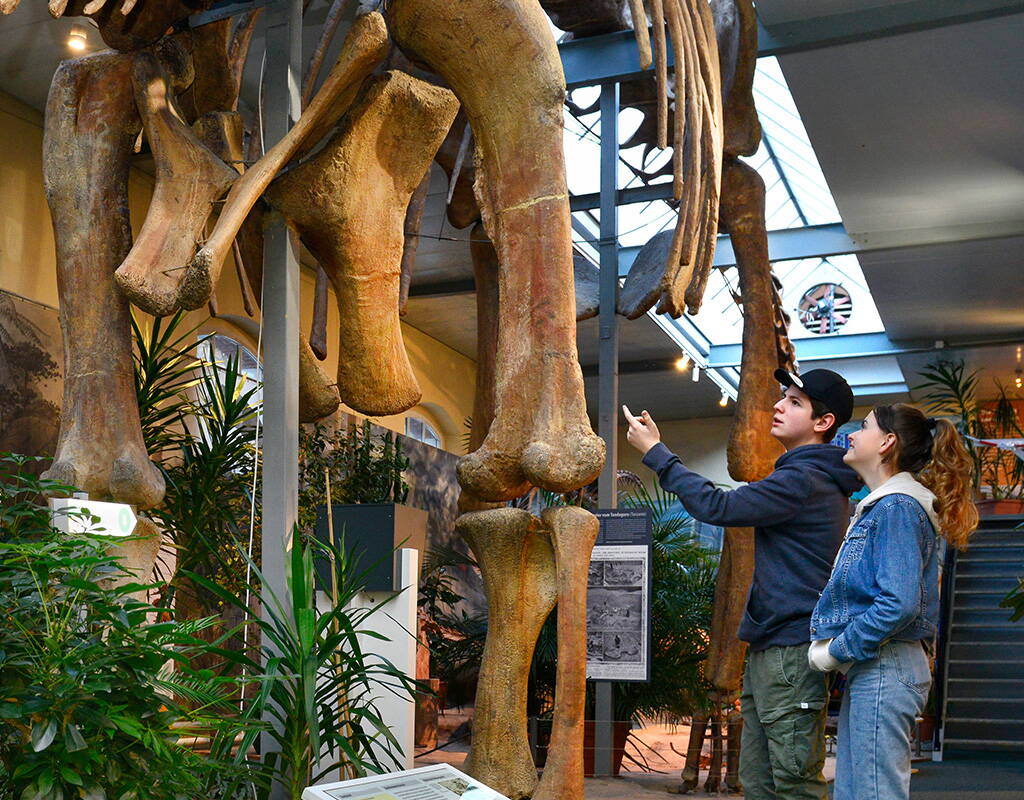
619 598
73 515
436 782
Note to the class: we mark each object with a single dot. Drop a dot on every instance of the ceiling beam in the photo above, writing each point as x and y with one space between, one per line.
909 16
443 288
614 57
822 241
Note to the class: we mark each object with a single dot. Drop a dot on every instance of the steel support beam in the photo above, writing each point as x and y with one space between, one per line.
877 22
608 378
822 241
623 197
281 334
613 57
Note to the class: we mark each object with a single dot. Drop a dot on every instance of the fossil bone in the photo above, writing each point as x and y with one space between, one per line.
573 533
349 205
517 565
91 125
364 48
189 178
499 57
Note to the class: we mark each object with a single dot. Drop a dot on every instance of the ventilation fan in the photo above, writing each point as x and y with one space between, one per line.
825 308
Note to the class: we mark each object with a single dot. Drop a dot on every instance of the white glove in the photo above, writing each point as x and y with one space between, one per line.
819 658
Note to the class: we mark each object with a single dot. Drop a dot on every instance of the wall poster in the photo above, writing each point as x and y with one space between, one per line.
619 598
436 782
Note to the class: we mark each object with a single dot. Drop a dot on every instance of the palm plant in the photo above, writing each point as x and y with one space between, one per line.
949 389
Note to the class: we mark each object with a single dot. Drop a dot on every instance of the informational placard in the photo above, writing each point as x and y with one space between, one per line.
619 598
73 515
436 782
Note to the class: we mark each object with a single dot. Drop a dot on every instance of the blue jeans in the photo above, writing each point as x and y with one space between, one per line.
883 696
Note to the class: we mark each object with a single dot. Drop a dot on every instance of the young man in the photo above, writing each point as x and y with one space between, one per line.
799 514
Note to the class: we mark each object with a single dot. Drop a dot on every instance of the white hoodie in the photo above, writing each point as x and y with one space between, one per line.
901 483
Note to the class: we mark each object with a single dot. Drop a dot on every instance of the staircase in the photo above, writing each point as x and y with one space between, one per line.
984 664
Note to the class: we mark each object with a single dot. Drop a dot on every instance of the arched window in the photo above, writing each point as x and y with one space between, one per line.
422 431
218 349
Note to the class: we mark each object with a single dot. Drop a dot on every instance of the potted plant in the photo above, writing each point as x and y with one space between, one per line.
949 389
362 474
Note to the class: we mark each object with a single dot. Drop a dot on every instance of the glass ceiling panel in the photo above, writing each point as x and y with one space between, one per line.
797 195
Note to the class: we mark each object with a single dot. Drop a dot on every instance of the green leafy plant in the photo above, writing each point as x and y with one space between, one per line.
1015 602
948 388
316 681
87 706
196 424
364 467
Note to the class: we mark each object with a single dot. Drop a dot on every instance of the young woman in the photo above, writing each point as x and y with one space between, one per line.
879 611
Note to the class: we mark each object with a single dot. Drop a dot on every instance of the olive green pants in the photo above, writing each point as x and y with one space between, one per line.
784 706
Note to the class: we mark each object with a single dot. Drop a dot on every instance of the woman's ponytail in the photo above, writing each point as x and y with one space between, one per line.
934 451
948 476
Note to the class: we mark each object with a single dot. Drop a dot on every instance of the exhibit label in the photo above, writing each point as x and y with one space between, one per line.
436 782
619 598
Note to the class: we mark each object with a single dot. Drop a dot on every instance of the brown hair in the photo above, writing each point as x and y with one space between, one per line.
818 410
933 450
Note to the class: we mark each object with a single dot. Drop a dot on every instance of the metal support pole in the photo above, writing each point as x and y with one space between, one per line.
281 327
608 378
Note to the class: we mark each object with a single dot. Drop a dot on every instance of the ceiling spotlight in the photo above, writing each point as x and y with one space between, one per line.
724 401
695 375
77 40
1018 353
1019 380
682 363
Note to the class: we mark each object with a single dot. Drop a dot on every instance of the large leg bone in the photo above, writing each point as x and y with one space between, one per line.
517 566
752 450
499 58
724 666
364 48
189 178
573 533
349 204
91 126
736 31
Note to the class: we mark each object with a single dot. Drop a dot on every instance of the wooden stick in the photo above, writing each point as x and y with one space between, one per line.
316 61
248 299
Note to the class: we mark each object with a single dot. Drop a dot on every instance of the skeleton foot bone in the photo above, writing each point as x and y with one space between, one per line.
499 58
349 205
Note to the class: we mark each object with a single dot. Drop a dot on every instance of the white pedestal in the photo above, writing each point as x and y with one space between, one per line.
395 620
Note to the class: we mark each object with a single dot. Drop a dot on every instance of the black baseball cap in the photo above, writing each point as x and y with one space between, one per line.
825 386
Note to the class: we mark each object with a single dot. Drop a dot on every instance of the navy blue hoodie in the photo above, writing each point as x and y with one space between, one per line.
799 514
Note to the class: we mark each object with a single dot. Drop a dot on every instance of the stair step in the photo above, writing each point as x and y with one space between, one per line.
985 669
989 569
983 632
987 558
978 600
1004 709
989 616
995 730
985 651
981 744
985 583
984 688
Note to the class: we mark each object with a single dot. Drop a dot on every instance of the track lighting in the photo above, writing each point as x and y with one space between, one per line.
724 401
682 363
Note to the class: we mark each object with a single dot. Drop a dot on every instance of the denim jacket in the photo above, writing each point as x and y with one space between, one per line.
885 580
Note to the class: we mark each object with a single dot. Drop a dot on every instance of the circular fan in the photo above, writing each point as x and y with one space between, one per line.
825 308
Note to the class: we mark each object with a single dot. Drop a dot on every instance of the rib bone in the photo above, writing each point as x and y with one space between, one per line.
189 178
499 58
364 48
349 205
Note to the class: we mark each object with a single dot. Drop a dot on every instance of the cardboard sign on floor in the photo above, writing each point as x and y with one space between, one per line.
436 782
